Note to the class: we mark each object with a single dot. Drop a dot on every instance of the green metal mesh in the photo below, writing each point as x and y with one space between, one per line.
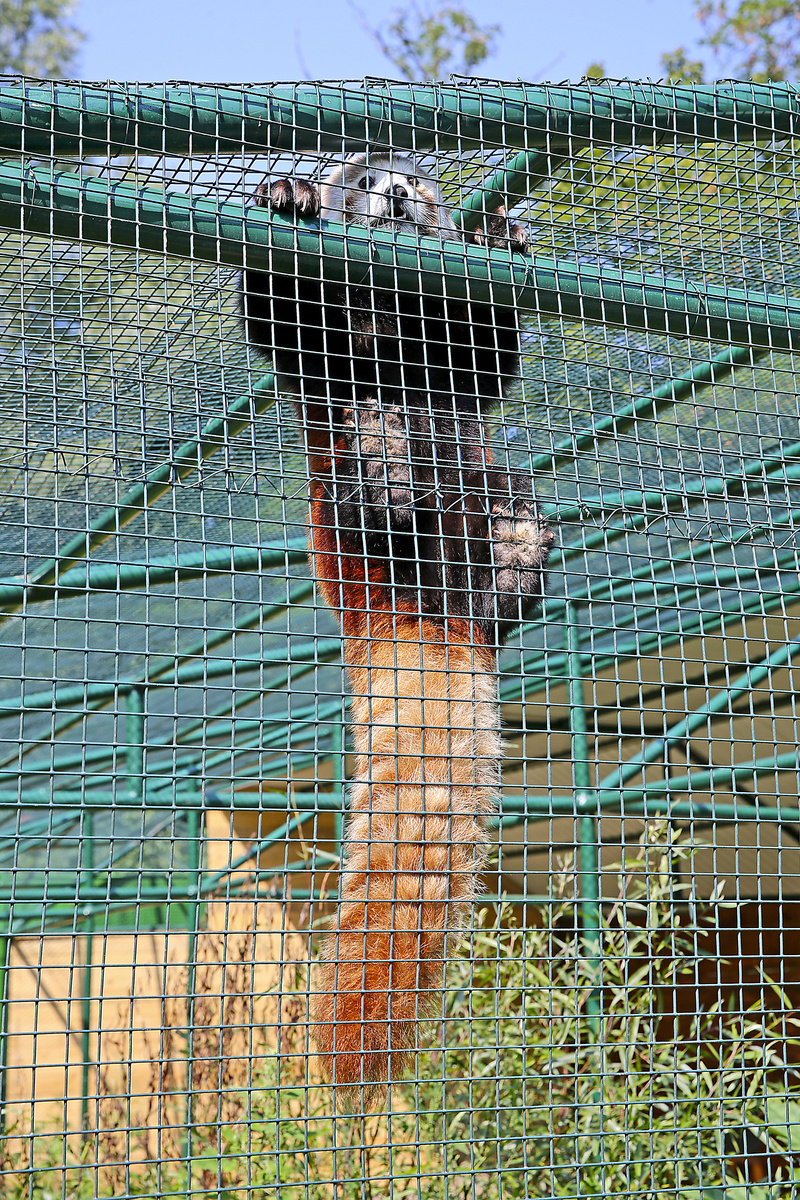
619 1019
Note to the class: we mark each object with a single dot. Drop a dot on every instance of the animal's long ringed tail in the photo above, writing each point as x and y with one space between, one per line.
426 725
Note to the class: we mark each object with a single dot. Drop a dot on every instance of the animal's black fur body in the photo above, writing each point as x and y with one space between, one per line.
392 390
429 555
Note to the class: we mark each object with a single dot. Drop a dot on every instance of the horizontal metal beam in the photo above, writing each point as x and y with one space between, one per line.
270 733
188 457
74 802
642 591
646 408
713 779
184 789
173 885
722 702
105 118
312 652
64 204
126 576
540 670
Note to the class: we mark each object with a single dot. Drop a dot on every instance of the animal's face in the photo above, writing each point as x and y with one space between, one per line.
385 191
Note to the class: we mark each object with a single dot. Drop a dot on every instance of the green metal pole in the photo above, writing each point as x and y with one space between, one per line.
5 1002
195 890
45 201
723 701
303 659
506 186
64 118
655 798
639 588
100 576
86 988
125 576
586 809
647 408
585 806
641 505
535 679
187 458
200 648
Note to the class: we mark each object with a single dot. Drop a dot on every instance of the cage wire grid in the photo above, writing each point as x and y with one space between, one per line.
618 1017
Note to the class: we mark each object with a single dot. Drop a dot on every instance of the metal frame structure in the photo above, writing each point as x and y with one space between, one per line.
688 596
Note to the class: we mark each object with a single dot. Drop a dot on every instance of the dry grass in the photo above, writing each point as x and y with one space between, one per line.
181 1051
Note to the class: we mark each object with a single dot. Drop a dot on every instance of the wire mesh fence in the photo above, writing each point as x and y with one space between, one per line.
244 888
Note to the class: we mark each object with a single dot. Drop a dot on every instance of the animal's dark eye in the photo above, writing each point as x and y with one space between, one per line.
366 181
412 179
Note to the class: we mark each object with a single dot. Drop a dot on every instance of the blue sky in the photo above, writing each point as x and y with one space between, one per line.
265 40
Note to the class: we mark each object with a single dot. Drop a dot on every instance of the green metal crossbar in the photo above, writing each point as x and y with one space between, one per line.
39 200
59 118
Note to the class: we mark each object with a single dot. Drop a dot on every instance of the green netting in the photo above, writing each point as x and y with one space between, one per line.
175 734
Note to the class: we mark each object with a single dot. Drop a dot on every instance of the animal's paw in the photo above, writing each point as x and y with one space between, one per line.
521 546
502 234
290 198
378 438
521 543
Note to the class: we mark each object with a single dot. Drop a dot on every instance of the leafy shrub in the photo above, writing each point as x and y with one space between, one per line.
563 1069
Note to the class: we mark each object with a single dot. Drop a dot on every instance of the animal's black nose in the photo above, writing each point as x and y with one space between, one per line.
397 199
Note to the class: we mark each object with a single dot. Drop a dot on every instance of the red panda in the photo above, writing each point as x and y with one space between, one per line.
429 556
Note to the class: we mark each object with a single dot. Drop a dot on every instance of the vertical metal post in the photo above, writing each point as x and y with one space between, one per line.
5 1000
134 740
194 854
588 884
586 809
87 851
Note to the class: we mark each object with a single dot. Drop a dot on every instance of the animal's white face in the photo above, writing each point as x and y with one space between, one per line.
385 191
